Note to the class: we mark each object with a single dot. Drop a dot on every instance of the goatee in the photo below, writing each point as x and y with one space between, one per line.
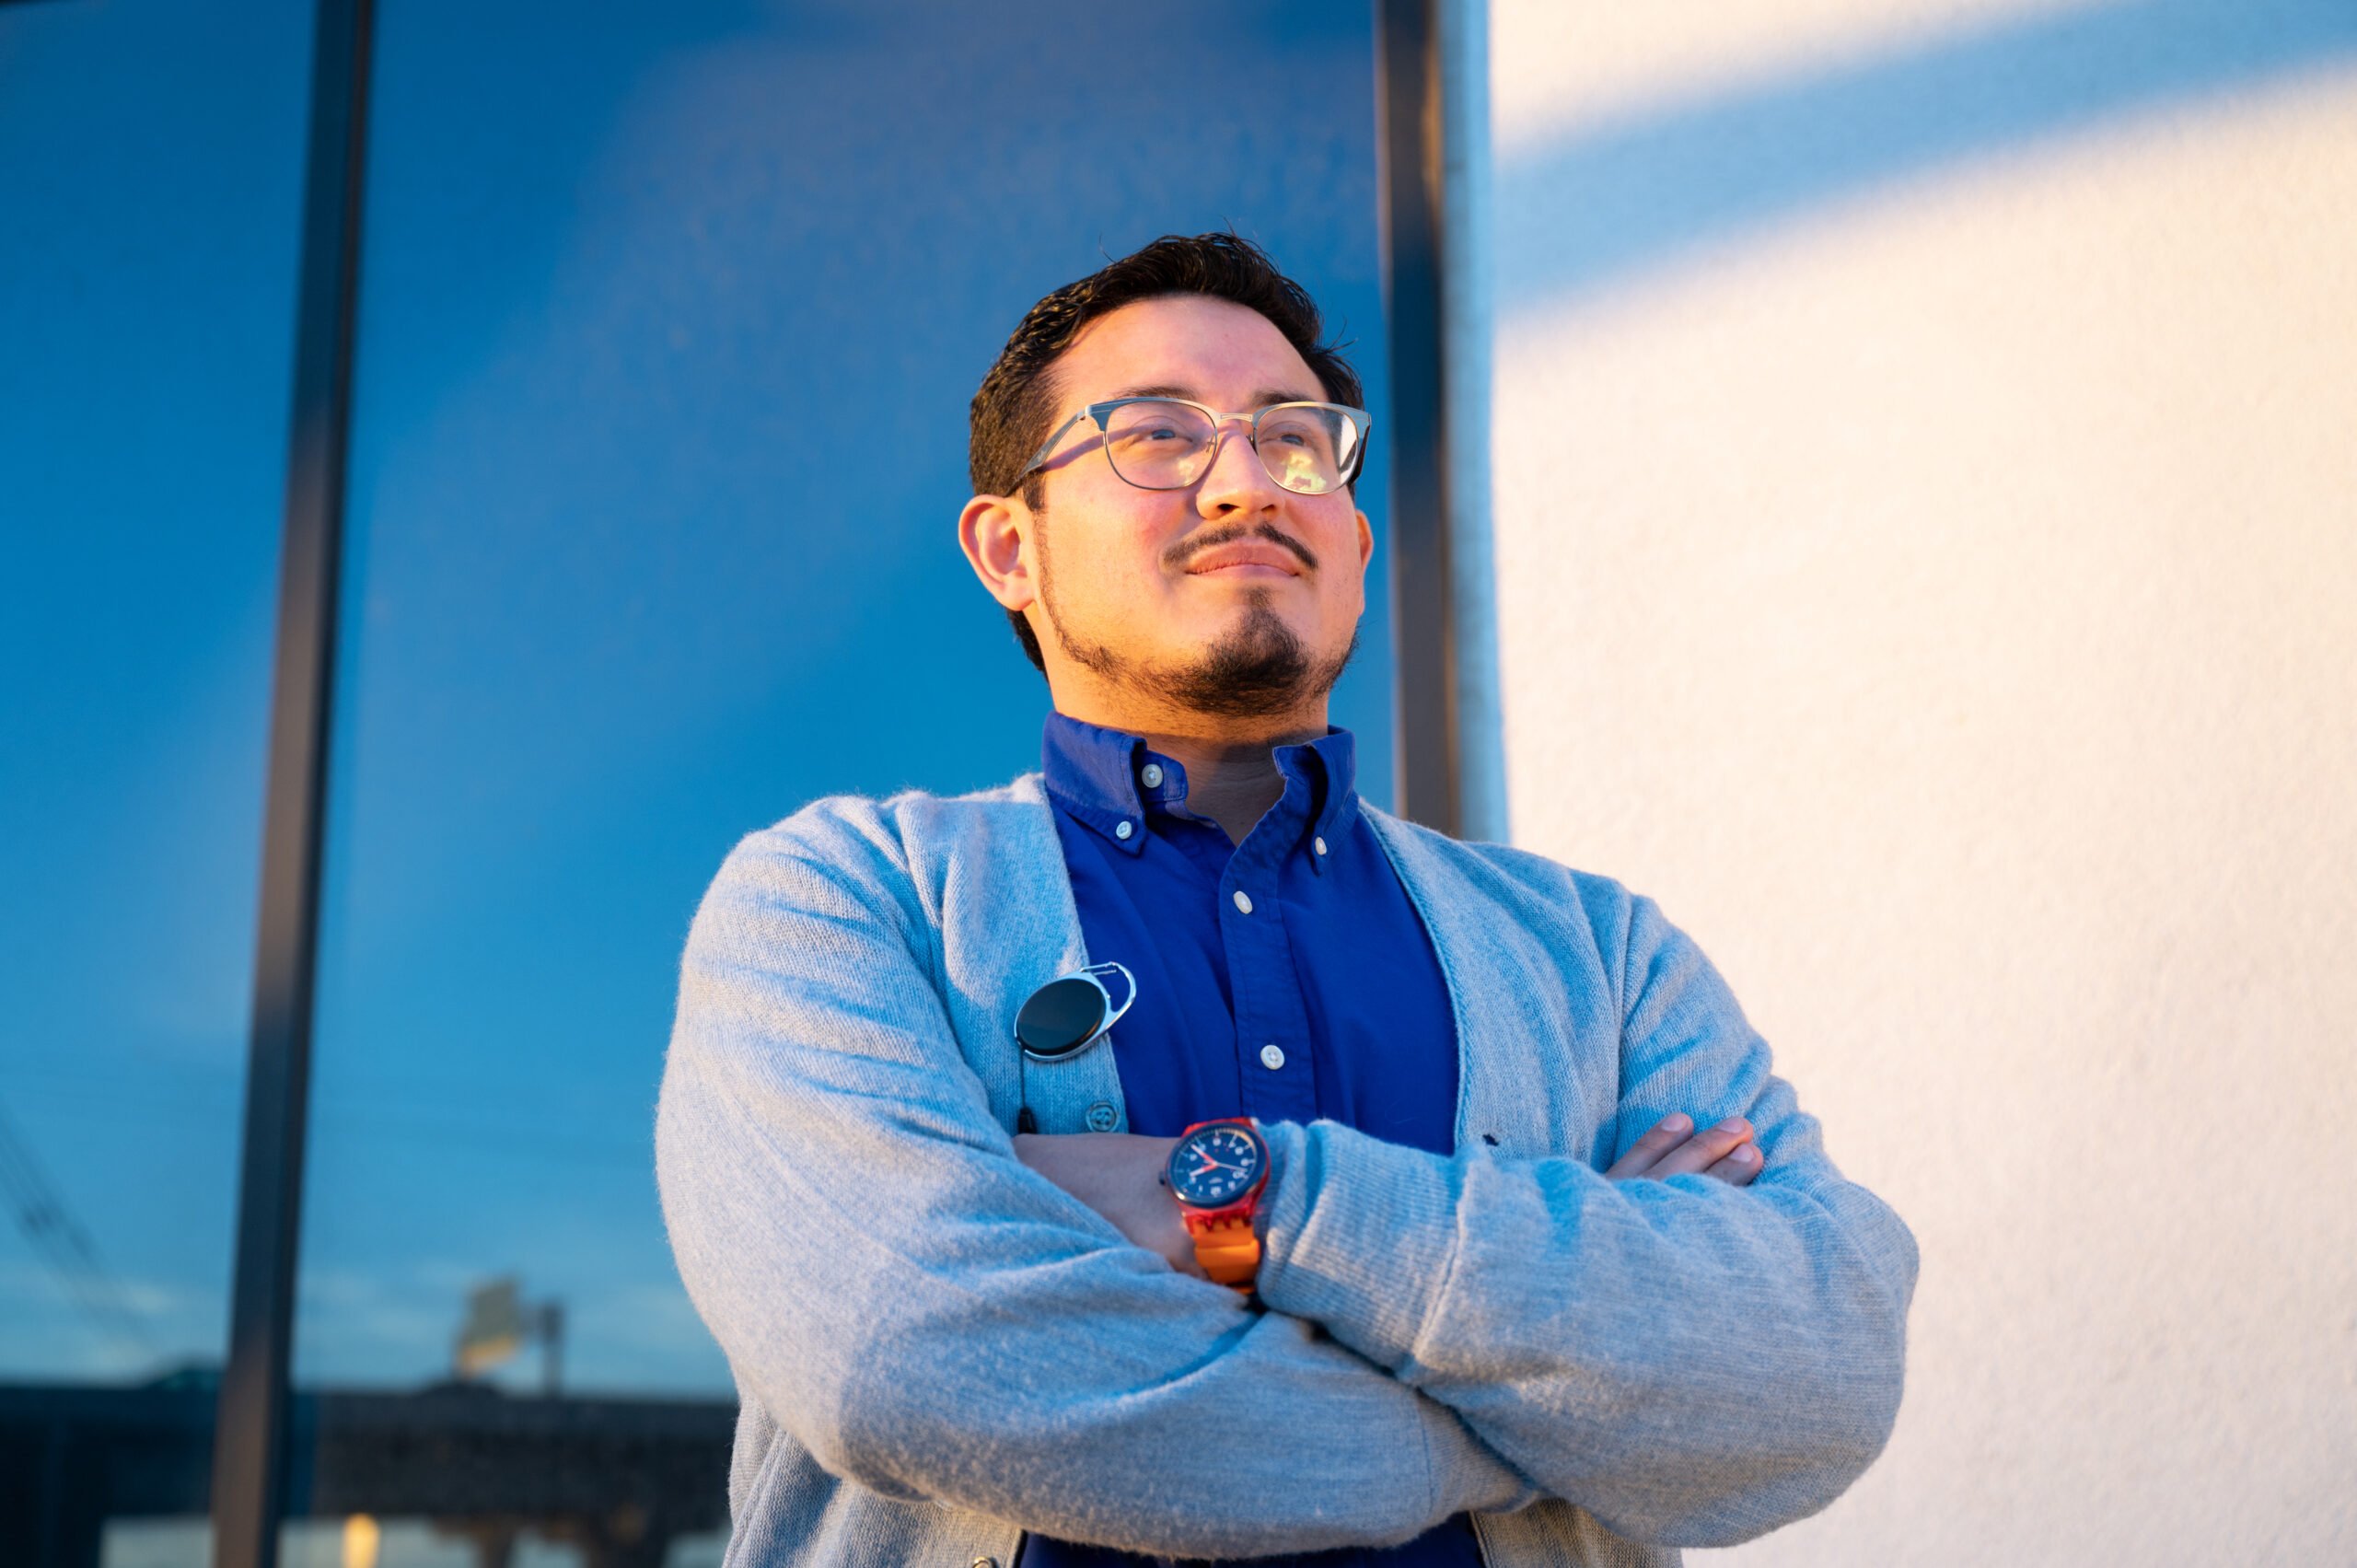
1257 669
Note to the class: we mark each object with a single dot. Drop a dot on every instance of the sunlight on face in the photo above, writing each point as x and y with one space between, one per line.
1236 588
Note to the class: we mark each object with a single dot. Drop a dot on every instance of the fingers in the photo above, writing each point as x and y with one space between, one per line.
1705 1149
1666 1135
1726 1151
1738 1166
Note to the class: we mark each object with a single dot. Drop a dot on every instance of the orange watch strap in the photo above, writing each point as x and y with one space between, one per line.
1228 1249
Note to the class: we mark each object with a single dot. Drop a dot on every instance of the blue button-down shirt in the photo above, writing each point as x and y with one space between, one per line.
1286 978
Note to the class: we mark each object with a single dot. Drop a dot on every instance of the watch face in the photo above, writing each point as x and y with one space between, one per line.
1214 1168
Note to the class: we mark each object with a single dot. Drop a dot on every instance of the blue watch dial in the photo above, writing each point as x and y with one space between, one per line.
1214 1166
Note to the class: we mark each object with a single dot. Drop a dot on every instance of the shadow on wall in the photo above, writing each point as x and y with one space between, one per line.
1629 195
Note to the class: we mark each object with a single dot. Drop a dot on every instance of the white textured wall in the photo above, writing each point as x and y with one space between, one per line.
1941 592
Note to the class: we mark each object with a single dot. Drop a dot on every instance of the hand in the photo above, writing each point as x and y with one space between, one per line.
1120 1176
1726 1151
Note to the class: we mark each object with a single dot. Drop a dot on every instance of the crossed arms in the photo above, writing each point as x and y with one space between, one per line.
1693 1361
1119 1174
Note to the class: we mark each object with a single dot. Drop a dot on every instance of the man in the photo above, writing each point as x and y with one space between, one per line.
1454 1279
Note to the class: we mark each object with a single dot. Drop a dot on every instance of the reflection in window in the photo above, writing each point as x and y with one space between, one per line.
149 250
624 582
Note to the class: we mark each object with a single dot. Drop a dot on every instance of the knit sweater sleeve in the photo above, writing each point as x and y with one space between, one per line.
933 1320
1694 1362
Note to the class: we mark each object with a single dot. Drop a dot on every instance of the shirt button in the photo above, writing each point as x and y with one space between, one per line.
1122 830
1320 842
1243 901
1271 1057
1102 1117
1151 774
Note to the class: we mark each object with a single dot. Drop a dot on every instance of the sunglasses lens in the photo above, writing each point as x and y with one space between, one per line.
1061 1017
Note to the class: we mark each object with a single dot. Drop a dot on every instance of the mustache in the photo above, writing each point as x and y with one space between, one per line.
1186 550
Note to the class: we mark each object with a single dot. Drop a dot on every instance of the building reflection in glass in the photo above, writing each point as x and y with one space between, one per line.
666 339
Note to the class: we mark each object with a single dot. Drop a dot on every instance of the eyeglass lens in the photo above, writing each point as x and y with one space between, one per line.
1157 445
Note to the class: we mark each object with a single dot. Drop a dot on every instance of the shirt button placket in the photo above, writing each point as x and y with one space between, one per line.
1243 966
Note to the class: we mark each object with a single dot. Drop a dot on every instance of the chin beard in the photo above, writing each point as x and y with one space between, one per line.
1259 668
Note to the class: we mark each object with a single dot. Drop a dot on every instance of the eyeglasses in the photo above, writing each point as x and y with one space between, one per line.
1168 443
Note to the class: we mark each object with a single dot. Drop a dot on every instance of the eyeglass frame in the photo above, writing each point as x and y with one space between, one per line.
1103 412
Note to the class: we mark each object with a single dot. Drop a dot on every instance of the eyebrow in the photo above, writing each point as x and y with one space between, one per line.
1261 399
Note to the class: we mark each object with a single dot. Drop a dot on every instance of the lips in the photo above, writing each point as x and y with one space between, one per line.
1245 553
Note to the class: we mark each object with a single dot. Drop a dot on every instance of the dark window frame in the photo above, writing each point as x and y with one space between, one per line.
248 1471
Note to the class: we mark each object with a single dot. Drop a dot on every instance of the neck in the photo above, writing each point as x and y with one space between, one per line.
1232 775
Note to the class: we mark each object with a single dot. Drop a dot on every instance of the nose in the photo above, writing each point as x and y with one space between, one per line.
1237 482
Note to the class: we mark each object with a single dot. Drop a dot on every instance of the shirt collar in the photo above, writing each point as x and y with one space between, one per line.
1098 775
1335 798
1093 773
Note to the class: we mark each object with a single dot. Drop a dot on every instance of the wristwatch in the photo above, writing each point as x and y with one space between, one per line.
1217 1173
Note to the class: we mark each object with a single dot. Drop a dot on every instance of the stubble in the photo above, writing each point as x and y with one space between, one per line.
1259 667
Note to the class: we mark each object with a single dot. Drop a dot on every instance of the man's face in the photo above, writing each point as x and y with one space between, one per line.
1233 595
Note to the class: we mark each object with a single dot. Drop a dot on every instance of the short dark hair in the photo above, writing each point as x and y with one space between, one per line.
1011 412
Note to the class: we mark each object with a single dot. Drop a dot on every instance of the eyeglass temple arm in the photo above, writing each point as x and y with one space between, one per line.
1049 445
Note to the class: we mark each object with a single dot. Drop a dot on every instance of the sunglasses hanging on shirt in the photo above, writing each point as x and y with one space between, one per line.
1064 1017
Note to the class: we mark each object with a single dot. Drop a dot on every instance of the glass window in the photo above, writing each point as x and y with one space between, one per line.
670 319
151 175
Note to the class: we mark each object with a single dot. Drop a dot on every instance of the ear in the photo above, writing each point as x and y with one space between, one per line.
1367 554
995 533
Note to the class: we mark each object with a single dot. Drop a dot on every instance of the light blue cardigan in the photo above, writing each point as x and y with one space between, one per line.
938 1349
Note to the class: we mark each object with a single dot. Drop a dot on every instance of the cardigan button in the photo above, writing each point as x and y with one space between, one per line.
1151 774
1102 1117
1243 901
